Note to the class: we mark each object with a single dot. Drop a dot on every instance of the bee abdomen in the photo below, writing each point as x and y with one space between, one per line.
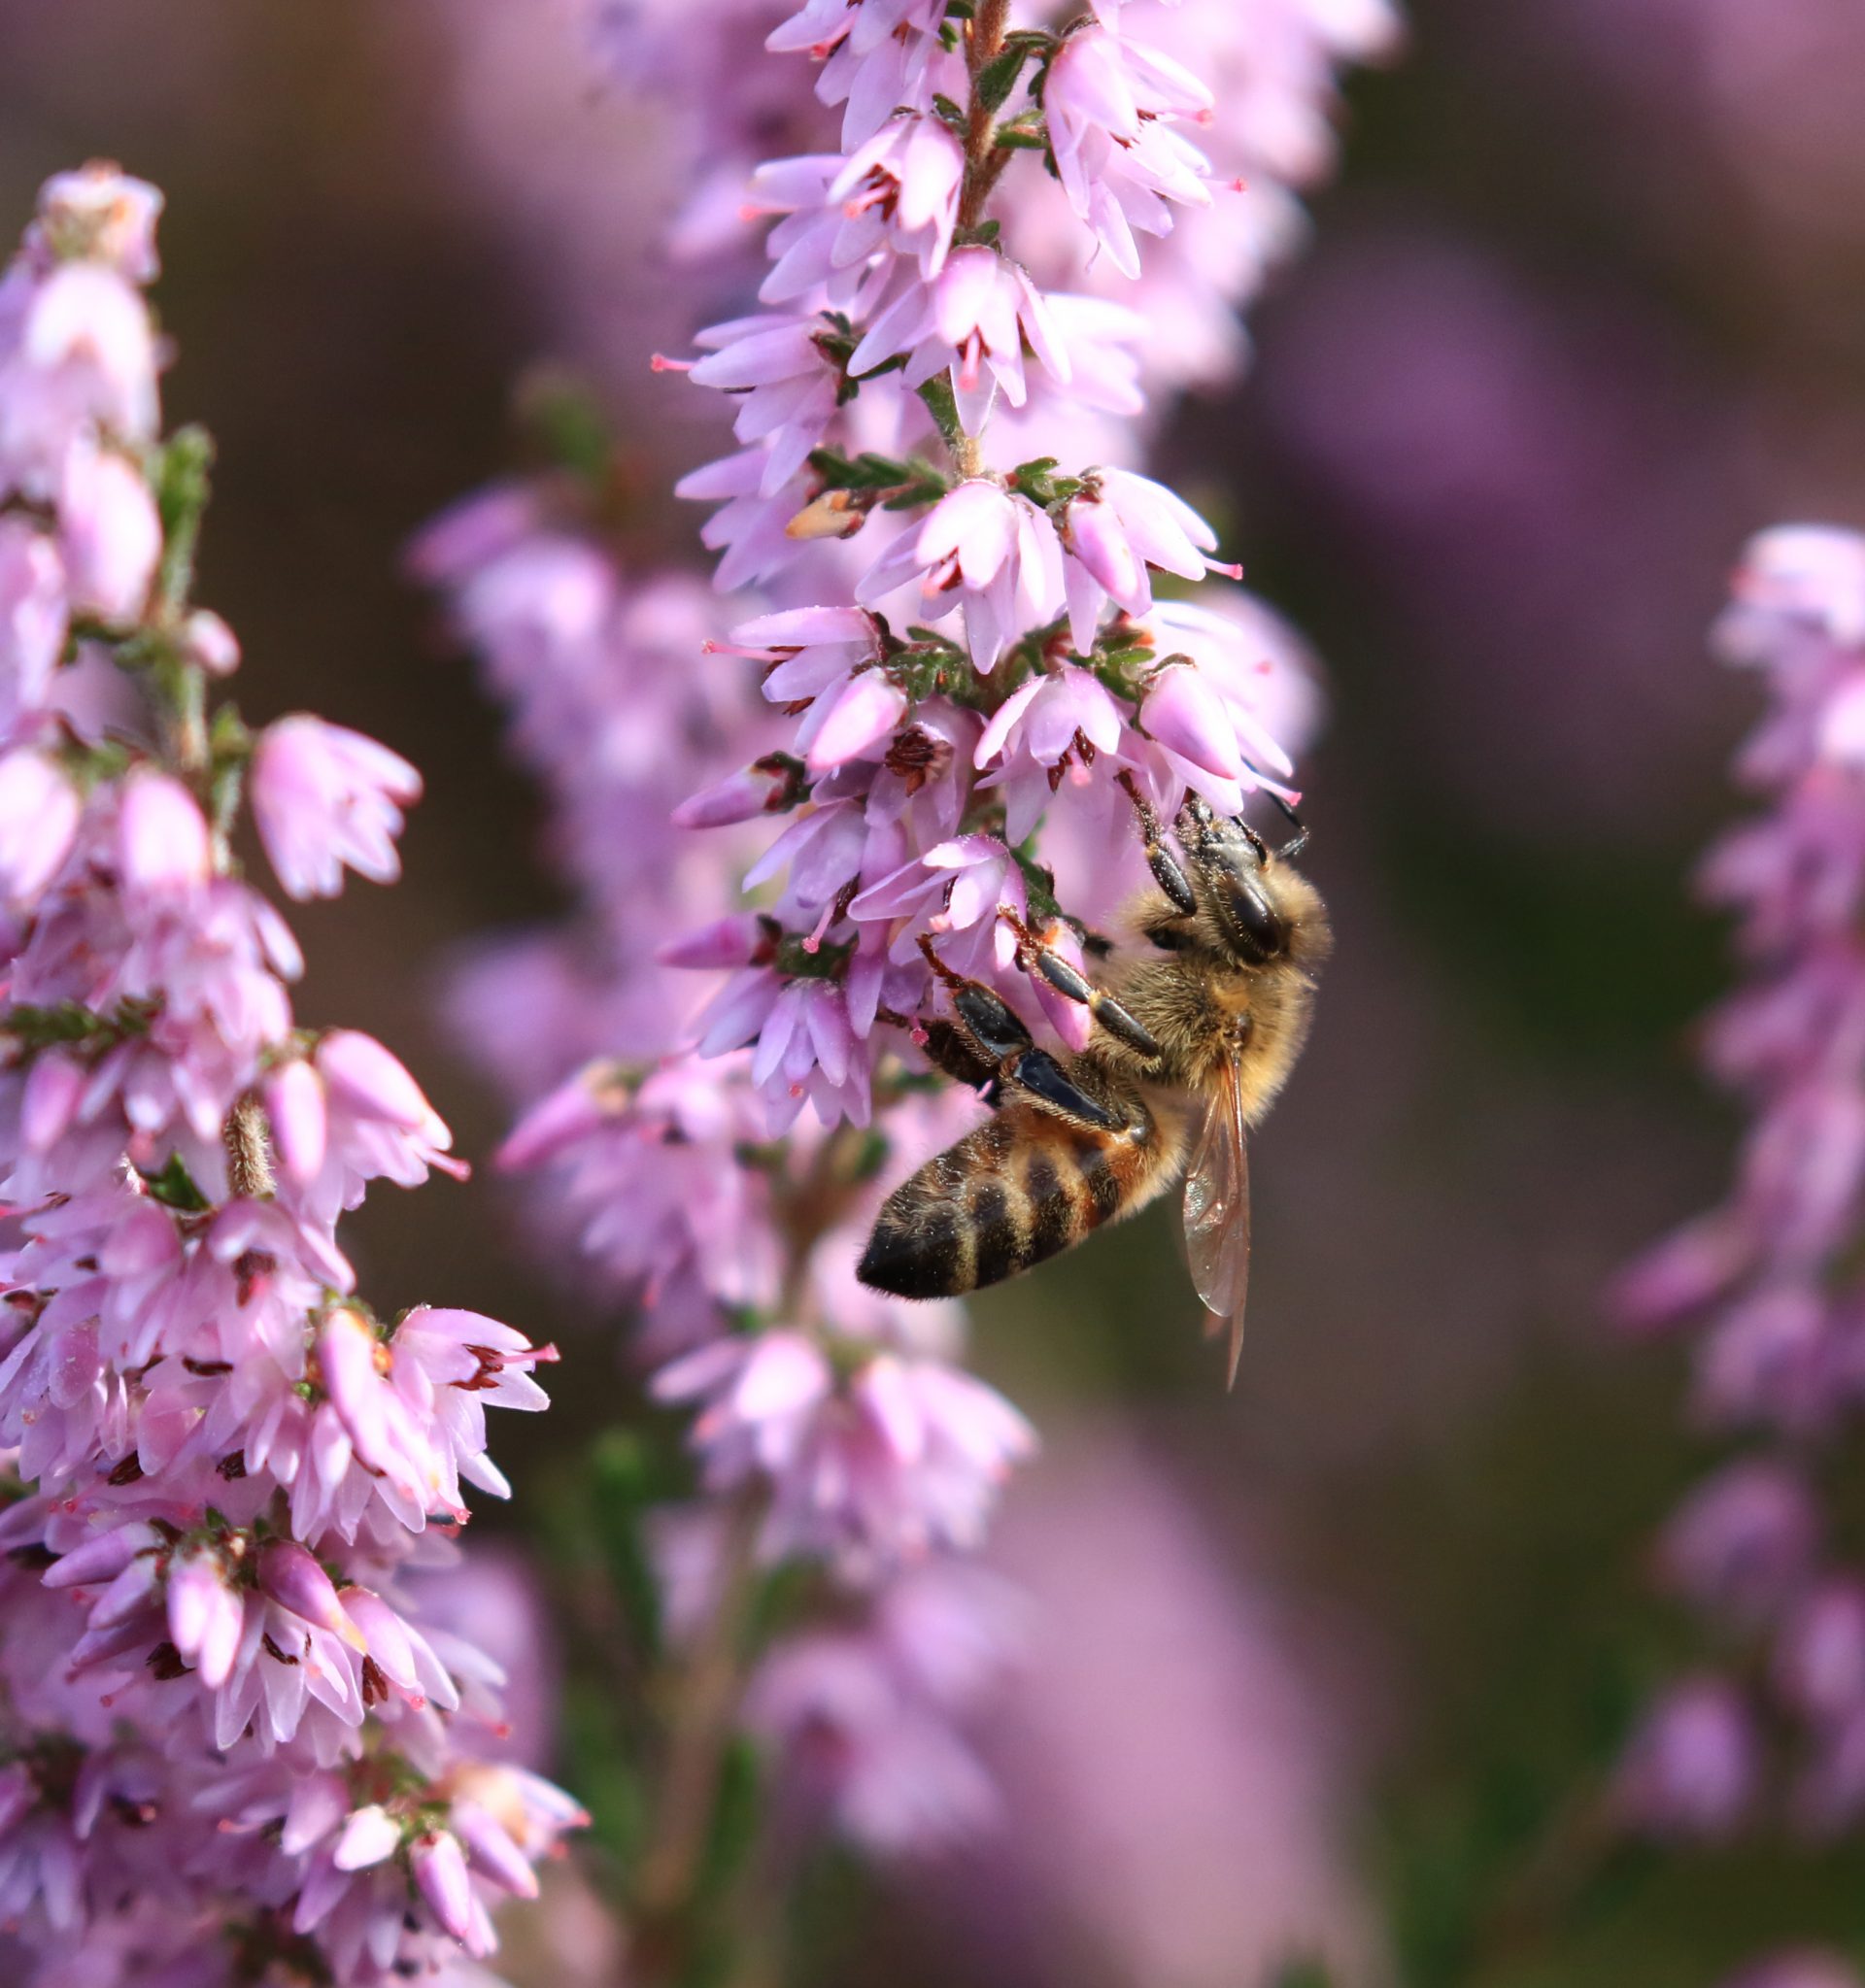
996 1204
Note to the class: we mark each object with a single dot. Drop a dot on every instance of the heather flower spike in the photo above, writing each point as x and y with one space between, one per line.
231 1745
1767 1283
914 735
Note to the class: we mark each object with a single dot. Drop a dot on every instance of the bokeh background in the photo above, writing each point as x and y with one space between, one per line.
1320 1666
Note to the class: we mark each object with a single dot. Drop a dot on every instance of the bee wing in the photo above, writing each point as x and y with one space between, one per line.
1217 1215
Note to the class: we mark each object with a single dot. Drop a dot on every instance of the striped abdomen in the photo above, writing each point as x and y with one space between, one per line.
1017 1191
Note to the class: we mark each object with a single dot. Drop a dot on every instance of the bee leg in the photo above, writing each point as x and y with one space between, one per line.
1203 833
1033 956
949 1048
1041 1078
994 1027
1167 871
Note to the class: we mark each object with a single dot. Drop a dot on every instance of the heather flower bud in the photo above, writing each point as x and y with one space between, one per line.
163 842
491 1850
439 1866
103 215
767 787
1183 714
1690 1769
110 534
33 616
325 798
205 1615
865 711
371 1835
208 642
38 813
295 1580
296 1112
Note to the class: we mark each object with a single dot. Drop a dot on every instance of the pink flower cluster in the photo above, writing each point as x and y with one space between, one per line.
1768 1282
1256 76
952 650
228 1743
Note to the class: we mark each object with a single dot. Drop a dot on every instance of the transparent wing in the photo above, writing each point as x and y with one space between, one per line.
1217 1216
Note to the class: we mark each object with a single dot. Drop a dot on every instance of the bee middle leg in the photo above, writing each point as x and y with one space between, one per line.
1033 955
986 1046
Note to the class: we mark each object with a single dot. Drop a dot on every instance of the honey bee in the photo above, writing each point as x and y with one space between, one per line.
1201 1023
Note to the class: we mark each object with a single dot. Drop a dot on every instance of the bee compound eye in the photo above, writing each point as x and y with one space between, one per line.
1254 919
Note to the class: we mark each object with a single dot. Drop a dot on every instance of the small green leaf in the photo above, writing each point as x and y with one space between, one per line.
942 405
1024 132
173 1187
181 477
565 422
999 77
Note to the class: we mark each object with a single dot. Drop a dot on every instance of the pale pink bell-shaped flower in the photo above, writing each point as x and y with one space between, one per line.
164 846
902 187
1110 103
33 616
973 320
39 814
204 1614
101 213
324 797
767 786
786 386
295 1580
982 548
1049 729
110 534
439 1868
867 710
207 640
1127 526
369 1837
294 1106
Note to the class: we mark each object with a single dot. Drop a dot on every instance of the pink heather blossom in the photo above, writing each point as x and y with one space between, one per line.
971 320
981 549
900 191
110 534
1690 1771
323 797
1111 106
879 54
1766 1280
1049 731
1127 526
859 1722
896 1458
39 815
910 739
34 607
217 1462
99 214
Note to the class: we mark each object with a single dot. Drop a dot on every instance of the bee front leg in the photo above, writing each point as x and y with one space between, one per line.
1168 872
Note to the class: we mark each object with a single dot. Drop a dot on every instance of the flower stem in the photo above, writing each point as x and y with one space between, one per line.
982 162
707 1686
